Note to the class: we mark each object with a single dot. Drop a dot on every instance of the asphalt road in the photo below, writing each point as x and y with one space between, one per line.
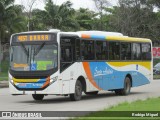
88 102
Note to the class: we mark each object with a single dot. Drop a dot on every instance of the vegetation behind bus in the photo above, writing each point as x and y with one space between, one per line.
140 18
4 72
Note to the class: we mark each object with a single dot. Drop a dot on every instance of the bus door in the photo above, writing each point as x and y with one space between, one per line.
69 52
67 59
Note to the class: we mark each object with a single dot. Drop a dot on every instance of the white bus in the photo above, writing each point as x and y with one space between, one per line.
69 63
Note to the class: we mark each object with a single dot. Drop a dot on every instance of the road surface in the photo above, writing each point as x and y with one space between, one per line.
88 102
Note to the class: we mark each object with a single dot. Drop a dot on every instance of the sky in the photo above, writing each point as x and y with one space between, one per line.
76 3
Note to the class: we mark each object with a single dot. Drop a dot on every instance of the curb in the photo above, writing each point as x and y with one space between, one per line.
4 84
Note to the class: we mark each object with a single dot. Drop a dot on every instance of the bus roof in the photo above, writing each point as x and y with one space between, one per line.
101 35
96 35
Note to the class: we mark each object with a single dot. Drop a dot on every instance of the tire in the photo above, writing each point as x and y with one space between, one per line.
38 96
126 89
92 93
77 95
118 92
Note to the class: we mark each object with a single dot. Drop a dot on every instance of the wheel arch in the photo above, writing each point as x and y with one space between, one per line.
83 82
130 77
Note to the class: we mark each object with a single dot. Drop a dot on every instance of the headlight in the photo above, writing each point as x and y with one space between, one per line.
10 79
52 80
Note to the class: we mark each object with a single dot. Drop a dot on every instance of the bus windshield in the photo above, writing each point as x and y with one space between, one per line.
33 57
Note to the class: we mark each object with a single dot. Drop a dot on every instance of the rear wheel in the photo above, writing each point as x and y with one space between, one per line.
38 96
92 93
126 89
77 95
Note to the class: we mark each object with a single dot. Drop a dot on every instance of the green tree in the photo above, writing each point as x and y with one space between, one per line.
11 19
85 18
101 20
135 18
37 22
60 17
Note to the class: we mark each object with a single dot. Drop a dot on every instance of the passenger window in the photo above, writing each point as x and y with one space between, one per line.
125 51
146 51
87 47
136 51
114 50
101 50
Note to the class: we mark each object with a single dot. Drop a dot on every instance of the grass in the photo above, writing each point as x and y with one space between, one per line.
4 67
156 77
3 76
155 61
150 105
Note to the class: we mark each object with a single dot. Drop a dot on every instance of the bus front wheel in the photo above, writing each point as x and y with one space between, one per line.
38 96
126 89
78 92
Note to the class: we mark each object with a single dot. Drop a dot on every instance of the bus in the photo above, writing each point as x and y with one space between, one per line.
70 63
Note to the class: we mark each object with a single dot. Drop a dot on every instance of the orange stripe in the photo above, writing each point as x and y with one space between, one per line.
89 74
46 83
85 36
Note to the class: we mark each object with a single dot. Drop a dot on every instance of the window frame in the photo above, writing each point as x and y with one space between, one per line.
108 44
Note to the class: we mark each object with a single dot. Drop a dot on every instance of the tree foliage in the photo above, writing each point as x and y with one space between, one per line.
11 19
60 17
135 18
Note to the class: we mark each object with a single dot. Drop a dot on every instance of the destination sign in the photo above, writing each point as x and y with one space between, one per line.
33 37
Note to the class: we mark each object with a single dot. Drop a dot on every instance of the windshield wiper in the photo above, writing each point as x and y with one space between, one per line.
25 50
39 48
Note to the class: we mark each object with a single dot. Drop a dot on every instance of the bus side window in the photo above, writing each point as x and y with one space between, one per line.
125 51
114 50
87 47
136 51
101 50
146 51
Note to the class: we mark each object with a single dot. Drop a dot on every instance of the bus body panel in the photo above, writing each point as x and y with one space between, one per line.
71 75
98 75
106 76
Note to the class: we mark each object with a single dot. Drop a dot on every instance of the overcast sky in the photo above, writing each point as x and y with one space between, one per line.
76 3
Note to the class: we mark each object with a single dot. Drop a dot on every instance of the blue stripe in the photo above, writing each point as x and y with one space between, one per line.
98 37
30 85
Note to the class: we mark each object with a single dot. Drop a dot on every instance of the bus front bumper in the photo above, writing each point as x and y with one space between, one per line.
59 87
